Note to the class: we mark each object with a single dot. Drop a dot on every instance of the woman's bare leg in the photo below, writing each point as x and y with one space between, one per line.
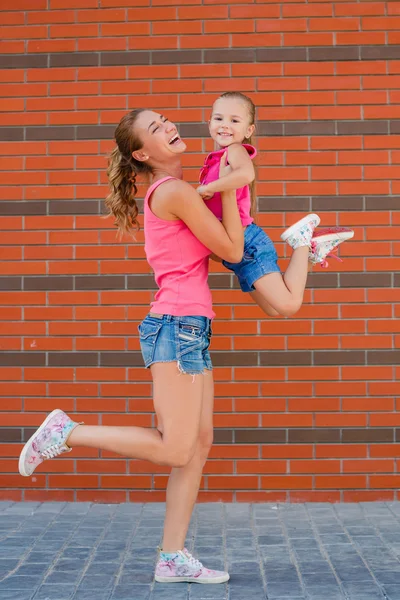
177 402
184 483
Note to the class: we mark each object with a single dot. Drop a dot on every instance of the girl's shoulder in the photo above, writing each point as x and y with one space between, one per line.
216 155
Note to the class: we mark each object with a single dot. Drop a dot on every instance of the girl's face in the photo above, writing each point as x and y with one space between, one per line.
230 122
159 137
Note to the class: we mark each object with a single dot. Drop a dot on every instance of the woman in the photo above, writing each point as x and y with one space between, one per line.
180 235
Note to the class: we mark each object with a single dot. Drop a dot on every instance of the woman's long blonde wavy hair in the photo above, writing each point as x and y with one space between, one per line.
252 117
122 171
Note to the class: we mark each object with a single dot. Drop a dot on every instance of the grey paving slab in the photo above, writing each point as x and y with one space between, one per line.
392 592
62 551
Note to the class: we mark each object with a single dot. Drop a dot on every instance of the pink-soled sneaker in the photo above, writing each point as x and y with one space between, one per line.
324 244
181 566
48 441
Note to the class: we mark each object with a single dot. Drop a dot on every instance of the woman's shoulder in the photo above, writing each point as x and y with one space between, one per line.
167 186
171 191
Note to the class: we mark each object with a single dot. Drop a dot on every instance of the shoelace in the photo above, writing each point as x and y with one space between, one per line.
52 451
192 560
324 263
332 254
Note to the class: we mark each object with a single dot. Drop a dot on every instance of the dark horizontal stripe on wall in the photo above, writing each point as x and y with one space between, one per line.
73 359
51 282
197 56
382 203
141 282
339 357
10 283
305 436
259 436
314 436
11 134
383 357
217 281
200 130
50 133
52 207
121 359
20 359
75 207
283 204
264 435
100 282
24 61
376 435
266 204
234 359
326 203
230 359
367 280
8 434
337 203
380 52
284 358
322 280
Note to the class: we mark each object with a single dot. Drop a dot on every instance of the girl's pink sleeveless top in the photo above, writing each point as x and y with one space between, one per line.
180 264
210 172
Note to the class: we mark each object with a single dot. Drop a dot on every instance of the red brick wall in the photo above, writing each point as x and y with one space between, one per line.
305 407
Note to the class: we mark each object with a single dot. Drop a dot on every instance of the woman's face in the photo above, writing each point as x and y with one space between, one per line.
159 137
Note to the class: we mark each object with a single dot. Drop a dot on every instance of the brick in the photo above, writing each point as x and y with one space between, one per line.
268 25
125 29
50 16
308 39
23 32
59 31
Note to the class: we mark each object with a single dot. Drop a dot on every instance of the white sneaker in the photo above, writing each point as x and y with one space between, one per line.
324 244
181 566
301 233
48 441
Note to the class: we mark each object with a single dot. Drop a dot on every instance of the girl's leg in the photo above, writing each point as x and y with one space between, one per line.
177 402
283 295
184 483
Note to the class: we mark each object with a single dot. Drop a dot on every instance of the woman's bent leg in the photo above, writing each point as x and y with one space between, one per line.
177 401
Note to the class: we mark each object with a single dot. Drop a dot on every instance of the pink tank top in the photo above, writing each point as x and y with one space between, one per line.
210 172
180 264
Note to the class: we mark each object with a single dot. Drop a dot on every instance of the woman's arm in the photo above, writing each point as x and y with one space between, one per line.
242 173
224 239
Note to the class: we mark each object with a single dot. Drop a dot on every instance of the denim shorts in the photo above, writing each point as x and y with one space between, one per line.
259 258
184 340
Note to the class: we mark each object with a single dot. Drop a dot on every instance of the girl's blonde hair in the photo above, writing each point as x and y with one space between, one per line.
252 117
122 171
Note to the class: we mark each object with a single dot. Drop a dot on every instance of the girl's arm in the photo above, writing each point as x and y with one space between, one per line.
242 173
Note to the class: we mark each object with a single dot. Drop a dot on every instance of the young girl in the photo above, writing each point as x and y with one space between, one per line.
180 233
231 127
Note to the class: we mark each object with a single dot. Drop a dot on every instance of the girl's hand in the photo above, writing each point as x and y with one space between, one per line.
204 192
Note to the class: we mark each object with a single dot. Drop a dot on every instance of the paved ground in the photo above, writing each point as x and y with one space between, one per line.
60 551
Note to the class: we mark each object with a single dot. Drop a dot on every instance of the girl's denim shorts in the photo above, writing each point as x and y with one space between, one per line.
184 340
259 258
